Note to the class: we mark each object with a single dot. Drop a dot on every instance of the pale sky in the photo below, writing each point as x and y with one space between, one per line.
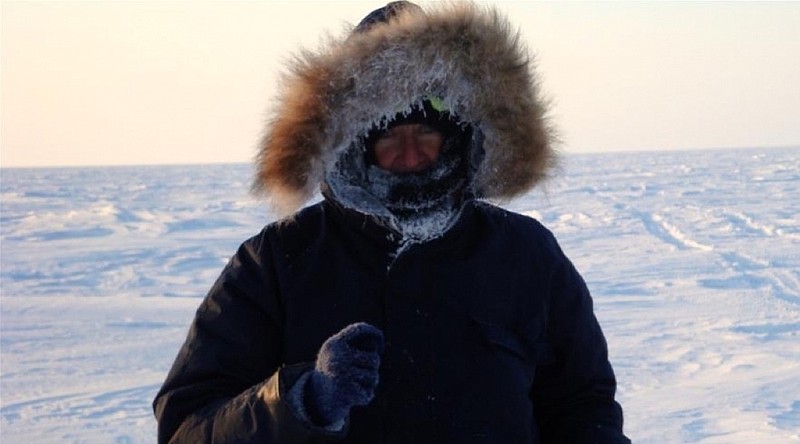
158 82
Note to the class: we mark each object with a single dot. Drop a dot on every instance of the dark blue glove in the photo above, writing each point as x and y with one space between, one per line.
345 374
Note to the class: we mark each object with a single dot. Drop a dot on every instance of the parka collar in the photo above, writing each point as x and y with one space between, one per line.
388 239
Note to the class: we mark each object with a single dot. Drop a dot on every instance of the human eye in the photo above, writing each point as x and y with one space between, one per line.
386 141
426 129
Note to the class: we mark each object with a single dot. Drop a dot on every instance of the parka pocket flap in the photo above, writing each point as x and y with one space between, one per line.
538 352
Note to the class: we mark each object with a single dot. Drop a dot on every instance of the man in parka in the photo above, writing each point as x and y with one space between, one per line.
403 308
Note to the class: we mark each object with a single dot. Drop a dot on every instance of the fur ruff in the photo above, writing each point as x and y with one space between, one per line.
463 53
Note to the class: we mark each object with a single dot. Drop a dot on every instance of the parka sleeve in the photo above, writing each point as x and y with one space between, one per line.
574 394
228 381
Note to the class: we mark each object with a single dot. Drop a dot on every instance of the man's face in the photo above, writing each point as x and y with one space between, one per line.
408 148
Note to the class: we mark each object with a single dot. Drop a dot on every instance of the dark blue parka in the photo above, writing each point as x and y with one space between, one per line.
490 336
489 330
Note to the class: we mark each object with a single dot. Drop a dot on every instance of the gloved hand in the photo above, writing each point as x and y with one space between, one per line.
345 373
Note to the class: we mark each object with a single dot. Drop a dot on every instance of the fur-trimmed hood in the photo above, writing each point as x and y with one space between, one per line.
464 54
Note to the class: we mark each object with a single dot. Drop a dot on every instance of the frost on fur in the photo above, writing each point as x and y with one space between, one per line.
467 55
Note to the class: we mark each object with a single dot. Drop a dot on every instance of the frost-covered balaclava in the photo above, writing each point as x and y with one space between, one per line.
419 205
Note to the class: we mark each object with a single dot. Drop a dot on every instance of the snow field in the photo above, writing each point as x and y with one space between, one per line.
693 259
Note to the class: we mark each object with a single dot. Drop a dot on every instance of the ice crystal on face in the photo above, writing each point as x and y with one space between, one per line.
422 206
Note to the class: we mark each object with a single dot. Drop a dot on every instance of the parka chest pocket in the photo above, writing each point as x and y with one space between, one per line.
500 340
501 370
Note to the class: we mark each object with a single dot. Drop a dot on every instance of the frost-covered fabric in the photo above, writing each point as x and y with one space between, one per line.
421 206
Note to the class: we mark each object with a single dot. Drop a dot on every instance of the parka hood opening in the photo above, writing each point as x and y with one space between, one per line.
466 56
421 205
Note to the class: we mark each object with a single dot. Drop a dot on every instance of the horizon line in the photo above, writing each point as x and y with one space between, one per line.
560 153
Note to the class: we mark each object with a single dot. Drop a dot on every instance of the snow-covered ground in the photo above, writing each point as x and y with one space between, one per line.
693 259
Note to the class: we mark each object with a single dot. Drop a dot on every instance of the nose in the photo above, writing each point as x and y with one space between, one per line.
407 148
412 157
